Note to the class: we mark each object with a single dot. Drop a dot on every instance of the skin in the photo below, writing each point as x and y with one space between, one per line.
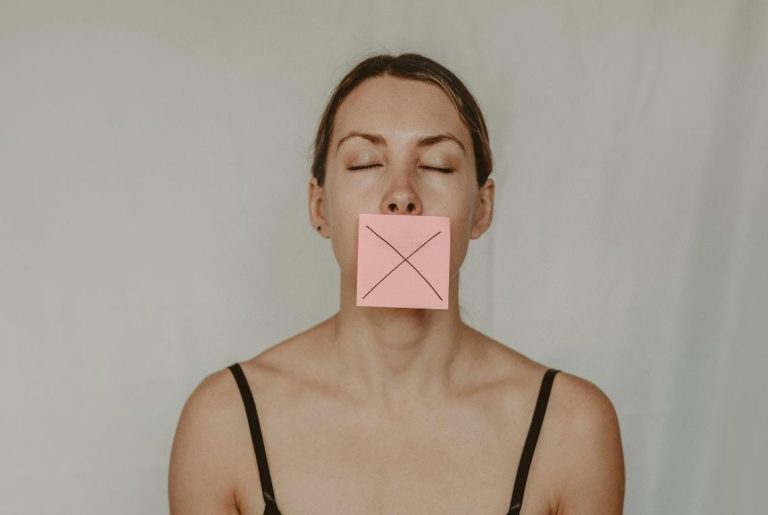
396 411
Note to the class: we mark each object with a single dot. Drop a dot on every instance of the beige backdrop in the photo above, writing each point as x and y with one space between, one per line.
153 228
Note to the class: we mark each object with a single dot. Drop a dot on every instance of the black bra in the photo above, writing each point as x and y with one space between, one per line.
522 468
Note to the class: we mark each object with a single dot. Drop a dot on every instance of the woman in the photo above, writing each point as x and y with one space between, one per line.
396 410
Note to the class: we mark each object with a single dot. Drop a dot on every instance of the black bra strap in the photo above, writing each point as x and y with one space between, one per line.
258 443
530 442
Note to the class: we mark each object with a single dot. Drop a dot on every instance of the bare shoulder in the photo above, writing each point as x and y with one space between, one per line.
581 404
209 470
589 448
580 456
206 455
574 402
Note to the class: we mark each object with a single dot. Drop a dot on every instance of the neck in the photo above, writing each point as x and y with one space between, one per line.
397 357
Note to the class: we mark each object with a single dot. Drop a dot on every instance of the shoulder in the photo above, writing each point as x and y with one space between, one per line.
214 400
580 452
214 410
587 439
206 455
583 404
573 400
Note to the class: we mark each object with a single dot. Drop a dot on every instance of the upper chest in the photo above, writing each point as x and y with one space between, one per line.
327 458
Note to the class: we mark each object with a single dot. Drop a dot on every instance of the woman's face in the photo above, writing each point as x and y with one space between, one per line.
399 147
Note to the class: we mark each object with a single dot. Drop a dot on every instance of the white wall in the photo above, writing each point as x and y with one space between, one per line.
153 222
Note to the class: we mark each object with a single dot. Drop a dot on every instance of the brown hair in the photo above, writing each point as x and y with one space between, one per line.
408 66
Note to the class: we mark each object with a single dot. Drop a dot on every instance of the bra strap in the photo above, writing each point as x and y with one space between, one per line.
530 442
258 442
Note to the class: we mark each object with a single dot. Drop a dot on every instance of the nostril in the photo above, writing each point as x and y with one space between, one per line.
393 207
411 207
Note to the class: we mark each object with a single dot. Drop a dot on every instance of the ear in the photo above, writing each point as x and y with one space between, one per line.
483 209
316 215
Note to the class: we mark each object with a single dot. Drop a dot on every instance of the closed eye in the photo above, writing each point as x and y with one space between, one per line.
436 169
362 167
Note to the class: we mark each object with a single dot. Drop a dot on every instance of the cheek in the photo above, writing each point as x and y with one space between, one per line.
459 245
462 214
342 217
345 250
350 195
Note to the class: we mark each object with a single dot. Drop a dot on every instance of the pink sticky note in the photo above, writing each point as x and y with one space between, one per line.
403 261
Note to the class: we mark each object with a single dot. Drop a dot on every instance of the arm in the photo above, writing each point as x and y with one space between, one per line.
594 465
199 480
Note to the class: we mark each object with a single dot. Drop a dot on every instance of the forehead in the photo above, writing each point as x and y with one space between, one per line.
396 105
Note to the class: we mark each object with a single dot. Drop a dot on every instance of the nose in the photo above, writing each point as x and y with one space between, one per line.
401 199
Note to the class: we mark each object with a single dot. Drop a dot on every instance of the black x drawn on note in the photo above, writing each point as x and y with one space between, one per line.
405 260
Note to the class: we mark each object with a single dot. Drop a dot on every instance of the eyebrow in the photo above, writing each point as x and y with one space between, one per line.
426 141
